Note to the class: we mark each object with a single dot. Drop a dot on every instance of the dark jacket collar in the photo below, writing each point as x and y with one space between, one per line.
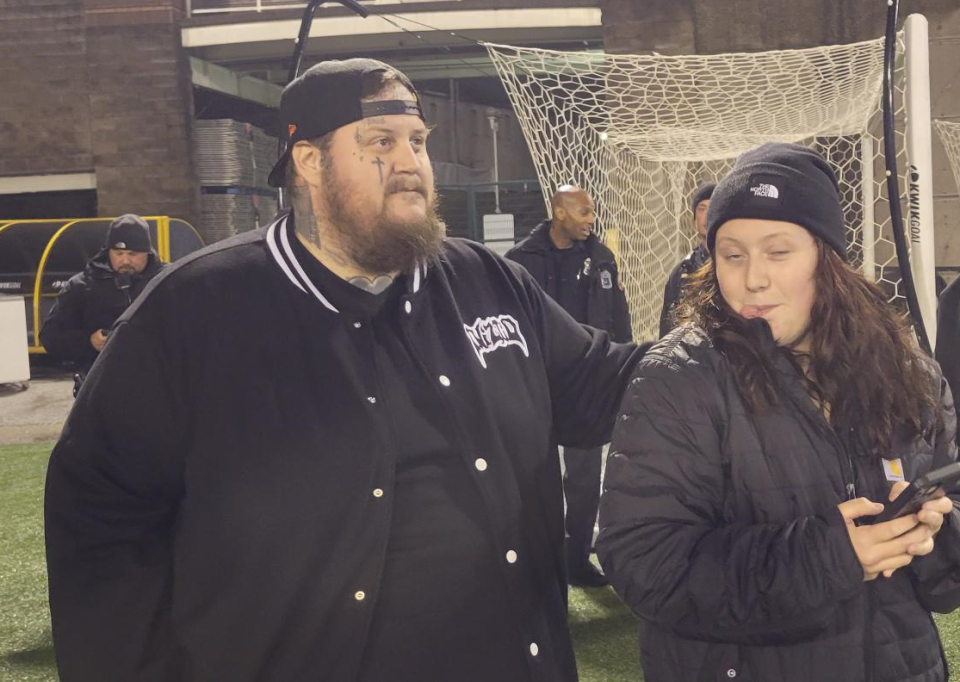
539 241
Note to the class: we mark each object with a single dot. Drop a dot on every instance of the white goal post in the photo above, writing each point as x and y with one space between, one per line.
641 132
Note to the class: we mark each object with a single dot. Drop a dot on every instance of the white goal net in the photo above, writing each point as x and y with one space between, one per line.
949 132
641 133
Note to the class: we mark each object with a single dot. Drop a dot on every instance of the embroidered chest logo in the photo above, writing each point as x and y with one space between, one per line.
488 334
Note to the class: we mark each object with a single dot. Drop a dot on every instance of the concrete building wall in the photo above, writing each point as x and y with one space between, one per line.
715 26
463 136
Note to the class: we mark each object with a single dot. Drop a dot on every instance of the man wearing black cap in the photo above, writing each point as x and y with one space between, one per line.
694 260
322 450
91 301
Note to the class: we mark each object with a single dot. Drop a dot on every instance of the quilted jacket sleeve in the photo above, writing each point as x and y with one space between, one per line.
664 542
938 573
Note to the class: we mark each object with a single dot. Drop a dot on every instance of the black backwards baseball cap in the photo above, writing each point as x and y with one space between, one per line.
129 232
327 96
780 181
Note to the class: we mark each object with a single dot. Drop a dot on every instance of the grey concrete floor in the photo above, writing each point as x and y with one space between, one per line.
36 412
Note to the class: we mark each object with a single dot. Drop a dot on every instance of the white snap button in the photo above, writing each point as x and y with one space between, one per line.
372 400
360 595
511 557
731 673
444 380
357 325
377 492
534 649
408 307
481 464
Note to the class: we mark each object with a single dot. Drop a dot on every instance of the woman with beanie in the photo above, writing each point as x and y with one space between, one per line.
757 441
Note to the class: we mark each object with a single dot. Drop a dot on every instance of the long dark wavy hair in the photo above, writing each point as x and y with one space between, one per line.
862 364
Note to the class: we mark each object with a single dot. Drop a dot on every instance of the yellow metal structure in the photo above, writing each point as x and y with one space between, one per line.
162 248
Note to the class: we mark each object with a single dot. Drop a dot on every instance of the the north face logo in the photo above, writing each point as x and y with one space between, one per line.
490 333
765 190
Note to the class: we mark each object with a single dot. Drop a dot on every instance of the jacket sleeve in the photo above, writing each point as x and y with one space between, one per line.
664 542
938 573
622 328
62 333
113 487
586 372
671 293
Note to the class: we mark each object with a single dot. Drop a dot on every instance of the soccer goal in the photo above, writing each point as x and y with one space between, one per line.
641 132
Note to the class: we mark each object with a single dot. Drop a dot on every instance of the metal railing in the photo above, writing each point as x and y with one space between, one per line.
200 7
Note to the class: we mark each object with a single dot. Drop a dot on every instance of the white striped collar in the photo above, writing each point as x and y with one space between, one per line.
278 241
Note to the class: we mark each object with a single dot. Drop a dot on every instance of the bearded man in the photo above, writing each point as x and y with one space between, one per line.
322 450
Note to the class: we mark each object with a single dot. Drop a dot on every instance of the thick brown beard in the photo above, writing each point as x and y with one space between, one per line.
387 245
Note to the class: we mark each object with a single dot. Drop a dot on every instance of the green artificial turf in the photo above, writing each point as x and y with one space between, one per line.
604 632
26 648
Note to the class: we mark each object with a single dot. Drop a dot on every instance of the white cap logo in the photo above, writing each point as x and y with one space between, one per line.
120 245
765 190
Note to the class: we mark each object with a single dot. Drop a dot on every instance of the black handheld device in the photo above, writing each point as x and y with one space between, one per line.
930 486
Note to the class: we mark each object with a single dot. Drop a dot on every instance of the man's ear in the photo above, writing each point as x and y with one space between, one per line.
559 213
308 160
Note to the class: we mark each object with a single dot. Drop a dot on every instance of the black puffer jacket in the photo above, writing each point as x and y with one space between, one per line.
720 529
948 336
89 301
674 288
607 307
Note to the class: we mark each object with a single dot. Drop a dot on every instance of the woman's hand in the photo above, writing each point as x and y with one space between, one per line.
882 547
930 518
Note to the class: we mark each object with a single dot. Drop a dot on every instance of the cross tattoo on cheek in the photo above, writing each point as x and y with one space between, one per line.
379 164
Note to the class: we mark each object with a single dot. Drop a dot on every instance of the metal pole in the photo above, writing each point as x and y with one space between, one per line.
893 184
869 226
494 127
920 177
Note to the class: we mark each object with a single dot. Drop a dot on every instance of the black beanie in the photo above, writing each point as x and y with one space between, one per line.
704 191
779 181
129 232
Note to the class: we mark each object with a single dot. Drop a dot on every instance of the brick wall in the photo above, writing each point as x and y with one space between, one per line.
44 110
141 106
103 86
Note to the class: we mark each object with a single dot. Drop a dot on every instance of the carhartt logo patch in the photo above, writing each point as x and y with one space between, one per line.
488 334
893 469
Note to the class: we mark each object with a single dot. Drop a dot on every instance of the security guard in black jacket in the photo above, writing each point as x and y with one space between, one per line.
79 322
322 450
580 273
694 260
